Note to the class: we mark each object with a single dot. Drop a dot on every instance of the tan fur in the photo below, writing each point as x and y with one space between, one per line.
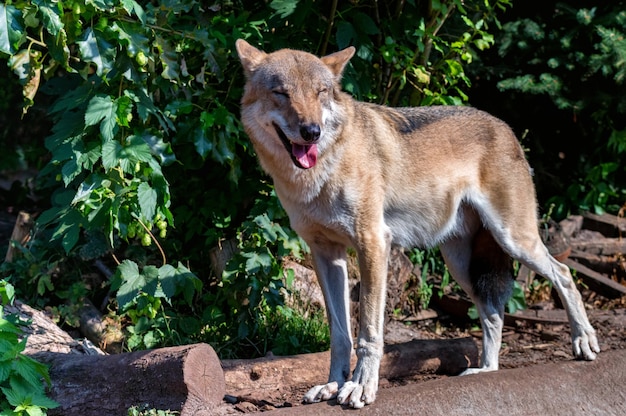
378 176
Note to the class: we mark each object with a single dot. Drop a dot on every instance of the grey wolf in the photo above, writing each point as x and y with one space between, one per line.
354 174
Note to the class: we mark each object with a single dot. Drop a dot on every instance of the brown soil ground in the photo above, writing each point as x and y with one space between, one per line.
524 344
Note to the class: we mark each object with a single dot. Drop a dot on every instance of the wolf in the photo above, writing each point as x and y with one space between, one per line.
366 176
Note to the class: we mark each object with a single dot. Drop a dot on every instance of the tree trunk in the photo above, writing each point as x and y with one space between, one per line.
188 379
252 377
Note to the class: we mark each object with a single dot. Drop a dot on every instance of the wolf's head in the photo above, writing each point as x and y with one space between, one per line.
289 99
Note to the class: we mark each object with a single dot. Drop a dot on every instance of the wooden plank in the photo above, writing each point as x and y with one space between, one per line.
604 246
597 282
607 224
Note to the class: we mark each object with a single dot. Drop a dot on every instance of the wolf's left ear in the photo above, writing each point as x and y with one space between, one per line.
249 56
337 61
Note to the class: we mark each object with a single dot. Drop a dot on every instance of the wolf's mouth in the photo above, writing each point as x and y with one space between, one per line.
304 156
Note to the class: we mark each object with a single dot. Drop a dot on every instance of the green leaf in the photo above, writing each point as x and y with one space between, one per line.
60 52
110 152
201 142
160 148
11 29
135 150
147 198
5 369
6 326
178 279
284 8
96 50
102 109
132 6
169 59
70 170
102 5
68 229
365 24
345 34
132 37
51 16
258 261
124 111
32 371
132 282
151 278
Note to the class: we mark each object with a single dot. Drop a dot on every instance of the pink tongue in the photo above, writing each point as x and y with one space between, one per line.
305 154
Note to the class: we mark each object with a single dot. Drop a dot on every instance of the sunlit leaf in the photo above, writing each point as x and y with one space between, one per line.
95 49
147 198
132 282
51 16
102 109
11 29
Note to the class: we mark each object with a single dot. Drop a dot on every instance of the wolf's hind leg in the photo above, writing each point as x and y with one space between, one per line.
535 256
484 271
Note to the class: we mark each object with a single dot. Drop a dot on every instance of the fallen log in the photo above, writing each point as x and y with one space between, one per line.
596 281
188 379
43 334
253 377
601 246
457 306
607 224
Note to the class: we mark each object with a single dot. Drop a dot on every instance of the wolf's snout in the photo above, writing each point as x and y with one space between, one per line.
310 132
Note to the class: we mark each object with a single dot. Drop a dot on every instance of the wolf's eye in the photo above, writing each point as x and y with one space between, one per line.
280 93
322 91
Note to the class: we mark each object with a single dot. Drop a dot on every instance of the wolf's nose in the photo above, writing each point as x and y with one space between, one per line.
310 132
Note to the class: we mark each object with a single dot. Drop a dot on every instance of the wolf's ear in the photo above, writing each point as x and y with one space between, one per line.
337 61
249 56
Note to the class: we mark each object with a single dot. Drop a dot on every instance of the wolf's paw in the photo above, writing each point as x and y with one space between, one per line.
477 370
585 344
357 395
321 393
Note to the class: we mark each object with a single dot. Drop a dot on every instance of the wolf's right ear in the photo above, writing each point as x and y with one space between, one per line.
249 56
337 61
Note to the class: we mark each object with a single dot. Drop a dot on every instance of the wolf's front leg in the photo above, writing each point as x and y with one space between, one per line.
373 259
331 268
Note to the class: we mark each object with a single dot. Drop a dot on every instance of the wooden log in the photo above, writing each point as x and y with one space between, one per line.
43 334
571 225
188 379
20 234
607 224
254 377
596 281
600 246
608 265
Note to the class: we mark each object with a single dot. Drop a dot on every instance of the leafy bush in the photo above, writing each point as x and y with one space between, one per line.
149 168
23 392
560 68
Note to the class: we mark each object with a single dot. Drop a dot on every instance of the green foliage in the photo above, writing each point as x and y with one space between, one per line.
148 168
289 332
147 411
431 264
21 377
562 68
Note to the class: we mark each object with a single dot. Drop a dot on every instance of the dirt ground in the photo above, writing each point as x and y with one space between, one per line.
524 344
